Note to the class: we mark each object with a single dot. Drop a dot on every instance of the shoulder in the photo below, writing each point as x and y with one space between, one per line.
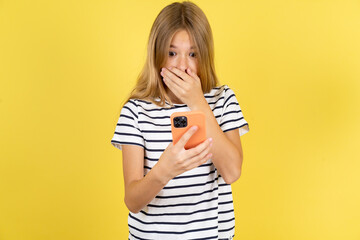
138 104
218 93
130 108
131 103
143 106
220 90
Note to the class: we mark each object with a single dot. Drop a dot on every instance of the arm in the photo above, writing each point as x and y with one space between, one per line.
138 192
141 190
227 150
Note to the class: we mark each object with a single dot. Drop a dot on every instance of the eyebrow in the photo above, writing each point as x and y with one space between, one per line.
172 46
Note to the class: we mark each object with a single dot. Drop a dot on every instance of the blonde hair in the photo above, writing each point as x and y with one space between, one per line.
174 17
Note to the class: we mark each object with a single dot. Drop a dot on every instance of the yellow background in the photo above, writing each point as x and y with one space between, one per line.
67 66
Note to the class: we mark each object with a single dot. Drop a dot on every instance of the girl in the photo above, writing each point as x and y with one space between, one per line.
173 193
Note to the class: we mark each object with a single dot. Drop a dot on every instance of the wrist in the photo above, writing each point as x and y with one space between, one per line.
199 105
159 175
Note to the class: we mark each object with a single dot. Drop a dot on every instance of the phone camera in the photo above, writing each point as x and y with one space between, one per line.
180 122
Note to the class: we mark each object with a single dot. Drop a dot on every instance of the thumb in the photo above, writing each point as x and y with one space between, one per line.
187 135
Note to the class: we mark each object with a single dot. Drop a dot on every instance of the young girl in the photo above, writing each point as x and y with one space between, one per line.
173 193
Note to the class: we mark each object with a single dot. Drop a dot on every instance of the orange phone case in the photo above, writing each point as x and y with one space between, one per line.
193 118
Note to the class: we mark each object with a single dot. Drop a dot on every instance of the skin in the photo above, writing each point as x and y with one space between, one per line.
182 56
224 149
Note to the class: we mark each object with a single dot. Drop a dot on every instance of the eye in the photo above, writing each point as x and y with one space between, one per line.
193 54
171 54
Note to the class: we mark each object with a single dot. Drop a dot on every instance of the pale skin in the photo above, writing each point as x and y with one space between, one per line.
224 149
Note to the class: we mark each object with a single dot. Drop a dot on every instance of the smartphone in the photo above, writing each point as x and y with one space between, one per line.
183 121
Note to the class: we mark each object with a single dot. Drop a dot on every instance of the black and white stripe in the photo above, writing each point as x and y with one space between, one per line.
197 204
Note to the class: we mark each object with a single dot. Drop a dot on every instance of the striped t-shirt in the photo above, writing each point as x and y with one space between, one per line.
197 204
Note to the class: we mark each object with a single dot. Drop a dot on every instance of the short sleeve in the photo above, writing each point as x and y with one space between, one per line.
232 115
127 131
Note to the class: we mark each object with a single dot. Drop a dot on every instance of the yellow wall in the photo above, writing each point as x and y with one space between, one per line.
67 66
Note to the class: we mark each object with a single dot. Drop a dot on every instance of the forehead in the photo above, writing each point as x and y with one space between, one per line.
182 39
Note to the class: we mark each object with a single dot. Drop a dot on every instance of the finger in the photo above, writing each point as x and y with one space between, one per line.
185 138
199 148
192 74
199 161
173 84
183 75
201 155
166 73
178 91
170 145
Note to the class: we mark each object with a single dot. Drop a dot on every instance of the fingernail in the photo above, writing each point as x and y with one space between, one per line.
210 139
195 127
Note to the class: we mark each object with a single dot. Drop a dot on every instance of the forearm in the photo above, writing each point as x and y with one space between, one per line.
141 192
226 157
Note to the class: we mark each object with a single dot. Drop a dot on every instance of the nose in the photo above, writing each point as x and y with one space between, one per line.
182 63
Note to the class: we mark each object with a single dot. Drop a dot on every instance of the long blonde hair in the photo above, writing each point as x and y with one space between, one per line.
174 17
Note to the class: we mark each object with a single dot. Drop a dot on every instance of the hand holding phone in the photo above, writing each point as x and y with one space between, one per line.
183 121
